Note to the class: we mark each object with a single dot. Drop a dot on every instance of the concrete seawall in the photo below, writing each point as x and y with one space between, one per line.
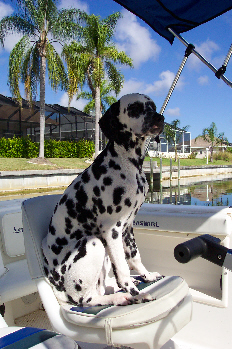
20 180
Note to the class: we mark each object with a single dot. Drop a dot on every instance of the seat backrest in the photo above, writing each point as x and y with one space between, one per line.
36 214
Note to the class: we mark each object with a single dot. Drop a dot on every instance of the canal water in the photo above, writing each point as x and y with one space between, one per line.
208 193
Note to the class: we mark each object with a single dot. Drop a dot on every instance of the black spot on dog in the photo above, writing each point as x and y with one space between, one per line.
109 209
69 225
71 208
63 269
127 255
107 180
61 241
71 300
82 251
113 164
81 197
103 188
118 209
117 195
46 271
118 224
55 275
123 176
81 300
56 249
86 177
89 300
77 234
114 234
135 110
96 190
67 256
52 230
128 202
99 203
63 199
78 287
97 168
138 151
133 292
112 150
55 262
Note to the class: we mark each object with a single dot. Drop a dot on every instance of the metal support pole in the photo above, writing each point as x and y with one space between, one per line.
170 169
161 171
208 64
151 175
179 169
188 51
222 69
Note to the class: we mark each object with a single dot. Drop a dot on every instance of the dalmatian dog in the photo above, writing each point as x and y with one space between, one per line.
91 229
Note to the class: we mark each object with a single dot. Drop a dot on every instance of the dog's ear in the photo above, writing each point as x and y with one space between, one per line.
109 123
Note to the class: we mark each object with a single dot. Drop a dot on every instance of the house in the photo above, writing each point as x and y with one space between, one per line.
200 146
61 123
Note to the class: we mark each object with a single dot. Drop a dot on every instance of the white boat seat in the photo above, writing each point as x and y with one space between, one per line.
16 282
140 326
15 279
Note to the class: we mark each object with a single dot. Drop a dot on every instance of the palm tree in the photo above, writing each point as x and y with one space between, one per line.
96 56
173 132
41 24
105 98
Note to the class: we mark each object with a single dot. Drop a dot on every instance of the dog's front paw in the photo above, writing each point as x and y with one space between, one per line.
142 298
152 277
122 298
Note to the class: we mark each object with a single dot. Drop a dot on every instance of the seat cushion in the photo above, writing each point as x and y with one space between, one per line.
168 293
28 337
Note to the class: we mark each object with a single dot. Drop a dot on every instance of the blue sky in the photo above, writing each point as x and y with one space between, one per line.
199 98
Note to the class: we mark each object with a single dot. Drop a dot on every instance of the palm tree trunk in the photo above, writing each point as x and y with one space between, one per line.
42 105
97 118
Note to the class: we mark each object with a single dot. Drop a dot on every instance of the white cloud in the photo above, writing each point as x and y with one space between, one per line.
160 86
11 40
207 49
5 10
82 5
203 80
135 40
132 86
173 112
79 104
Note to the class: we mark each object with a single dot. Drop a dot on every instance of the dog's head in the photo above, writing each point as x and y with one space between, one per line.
134 114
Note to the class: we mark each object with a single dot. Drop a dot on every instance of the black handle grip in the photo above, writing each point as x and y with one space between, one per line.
205 246
189 250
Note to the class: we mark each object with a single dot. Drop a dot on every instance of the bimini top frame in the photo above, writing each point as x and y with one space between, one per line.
190 48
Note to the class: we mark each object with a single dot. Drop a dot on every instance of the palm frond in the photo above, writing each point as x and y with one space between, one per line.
12 24
66 25
15 66
30 72
56 69
115 76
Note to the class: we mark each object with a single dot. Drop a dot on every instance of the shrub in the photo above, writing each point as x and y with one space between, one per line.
25 148
225 156
192 155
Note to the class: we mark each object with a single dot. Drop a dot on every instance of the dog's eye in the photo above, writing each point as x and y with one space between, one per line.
150 106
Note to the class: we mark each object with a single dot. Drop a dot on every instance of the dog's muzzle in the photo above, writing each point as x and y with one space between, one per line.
153 124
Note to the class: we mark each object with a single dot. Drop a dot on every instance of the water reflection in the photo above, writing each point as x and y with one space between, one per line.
214 193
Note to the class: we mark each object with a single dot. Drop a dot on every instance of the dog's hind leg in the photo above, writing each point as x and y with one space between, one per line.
85 280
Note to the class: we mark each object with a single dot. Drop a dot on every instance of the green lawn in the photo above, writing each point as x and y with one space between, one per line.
20 164
189 162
